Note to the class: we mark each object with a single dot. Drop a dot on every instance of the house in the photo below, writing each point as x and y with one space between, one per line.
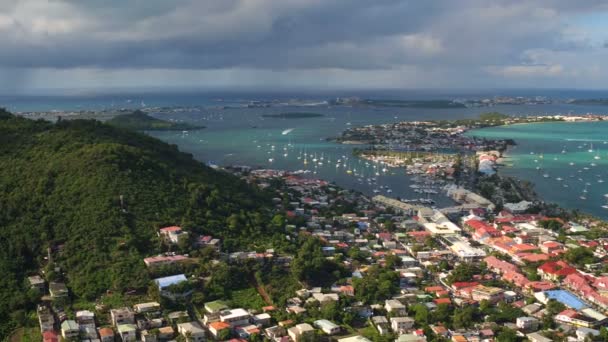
262 319
147 307
215 306
402 324
585 334
499 266
106 334
410 338
275 333
172 234
394 307
70 329
491 294
162 260
235 317
127 332
570 316
555 270
381 324
85 317
536 337
192 331
327 327
219 330
326 297
347 290
527 323
247 331
148 336
46 320
165 285
122 316
50 336
166 333
37 283
356 338
58 290
302 333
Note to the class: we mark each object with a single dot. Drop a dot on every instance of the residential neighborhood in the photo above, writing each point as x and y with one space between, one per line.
398 272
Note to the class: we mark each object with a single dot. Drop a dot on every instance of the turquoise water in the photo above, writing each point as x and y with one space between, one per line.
576 153
243 136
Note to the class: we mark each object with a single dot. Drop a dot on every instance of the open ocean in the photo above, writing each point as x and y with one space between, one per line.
243 136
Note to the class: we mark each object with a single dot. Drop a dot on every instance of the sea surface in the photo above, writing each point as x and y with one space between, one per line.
243 136
567 162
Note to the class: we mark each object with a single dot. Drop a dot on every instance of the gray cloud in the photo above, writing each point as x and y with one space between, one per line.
500 39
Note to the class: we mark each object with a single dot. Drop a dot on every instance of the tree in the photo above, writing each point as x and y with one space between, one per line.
580 256
421 314
464 318
507 335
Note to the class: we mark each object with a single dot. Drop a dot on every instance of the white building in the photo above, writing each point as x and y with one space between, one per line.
327 327
235 317
192 330
401 324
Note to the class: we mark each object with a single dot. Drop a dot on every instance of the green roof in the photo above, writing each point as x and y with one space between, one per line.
216 306
69 325
126 327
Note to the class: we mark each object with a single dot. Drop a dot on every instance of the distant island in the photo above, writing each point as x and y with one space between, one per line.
597 102
140 121
437 104
294 115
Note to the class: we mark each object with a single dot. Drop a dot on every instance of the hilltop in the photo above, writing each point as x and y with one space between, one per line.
96 195
141 121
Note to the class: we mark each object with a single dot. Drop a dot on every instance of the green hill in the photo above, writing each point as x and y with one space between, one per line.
141 121
60 187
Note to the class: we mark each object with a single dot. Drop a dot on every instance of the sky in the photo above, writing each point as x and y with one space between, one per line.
312 44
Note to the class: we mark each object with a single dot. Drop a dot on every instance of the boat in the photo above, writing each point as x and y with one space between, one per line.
287 131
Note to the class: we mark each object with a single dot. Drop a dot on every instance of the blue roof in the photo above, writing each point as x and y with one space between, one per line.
171 280
566 298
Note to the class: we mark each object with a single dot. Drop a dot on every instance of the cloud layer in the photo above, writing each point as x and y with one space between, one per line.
324 43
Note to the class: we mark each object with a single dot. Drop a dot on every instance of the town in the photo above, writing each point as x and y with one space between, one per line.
351 268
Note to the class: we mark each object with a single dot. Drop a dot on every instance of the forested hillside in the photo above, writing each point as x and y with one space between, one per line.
141 121
61 187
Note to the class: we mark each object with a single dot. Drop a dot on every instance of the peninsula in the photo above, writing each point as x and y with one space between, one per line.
140 121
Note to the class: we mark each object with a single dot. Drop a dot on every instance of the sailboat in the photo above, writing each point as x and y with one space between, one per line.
597 154
605 206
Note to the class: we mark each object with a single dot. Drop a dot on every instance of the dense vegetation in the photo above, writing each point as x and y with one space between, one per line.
96 195
141 121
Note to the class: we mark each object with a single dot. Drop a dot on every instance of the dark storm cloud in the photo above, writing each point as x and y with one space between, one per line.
470 36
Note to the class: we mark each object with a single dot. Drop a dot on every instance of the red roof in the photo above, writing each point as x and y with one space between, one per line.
464 284
106 332
477 224
433 288
170 229
532 257
439 301
217 326
50 336
568 313
558 268
540 285
500 265
523 247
